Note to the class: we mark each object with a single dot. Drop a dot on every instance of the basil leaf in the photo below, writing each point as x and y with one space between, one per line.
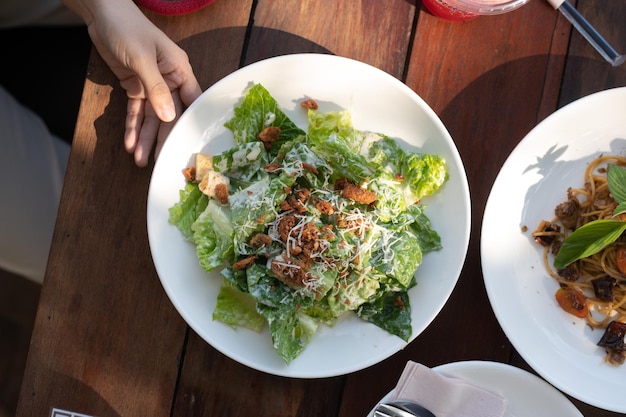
587 240
616 177
621 208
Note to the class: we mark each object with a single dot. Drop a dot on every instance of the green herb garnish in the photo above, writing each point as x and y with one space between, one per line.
594 236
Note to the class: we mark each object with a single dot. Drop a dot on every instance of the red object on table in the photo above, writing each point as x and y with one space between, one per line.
173 7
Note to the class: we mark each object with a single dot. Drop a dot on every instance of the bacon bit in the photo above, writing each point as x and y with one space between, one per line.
290 272
309 240
284 205
284 227
354 192
309 167
190 174
260 239
244 263
324 207
261 219
327 233
268 136
273 167
309 104
221 193
302 194
296 204
399 177
398 302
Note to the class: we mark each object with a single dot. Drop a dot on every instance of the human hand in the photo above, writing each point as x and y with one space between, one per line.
154 71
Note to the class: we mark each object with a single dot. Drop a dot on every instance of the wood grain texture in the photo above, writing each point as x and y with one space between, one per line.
108 275
101 239
298 29
371 31
108 342
586 71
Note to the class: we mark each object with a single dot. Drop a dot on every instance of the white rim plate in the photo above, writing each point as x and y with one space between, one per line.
526 395
532 181
378 102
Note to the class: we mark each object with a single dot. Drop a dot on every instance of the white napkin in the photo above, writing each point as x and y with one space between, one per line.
446 396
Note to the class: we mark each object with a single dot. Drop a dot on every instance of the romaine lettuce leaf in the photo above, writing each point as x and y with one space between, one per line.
244 162
255 206
386 153
397 254
424 174
391 312
257 111
236 308
335 140
186 211
325 125
213 235
291 330
429 239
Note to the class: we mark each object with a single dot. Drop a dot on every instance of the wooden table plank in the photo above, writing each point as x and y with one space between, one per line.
282 27
369 31
125 365
105 273
586 71
202 392
486 123
100 265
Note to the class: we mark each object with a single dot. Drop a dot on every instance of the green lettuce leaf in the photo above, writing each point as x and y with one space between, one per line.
187 210
391 312
424 174
335 140
291 330
213 234
257 111
398 254
236 308
244 162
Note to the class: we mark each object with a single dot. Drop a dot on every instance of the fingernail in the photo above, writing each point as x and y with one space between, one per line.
169 113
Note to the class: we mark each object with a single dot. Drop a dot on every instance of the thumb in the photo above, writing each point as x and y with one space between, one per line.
159 95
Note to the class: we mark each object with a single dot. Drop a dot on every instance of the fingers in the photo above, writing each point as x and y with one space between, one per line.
166 128
143 128
190 89
134 121
158 92
147 136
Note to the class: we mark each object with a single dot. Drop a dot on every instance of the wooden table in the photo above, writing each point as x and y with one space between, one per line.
107 340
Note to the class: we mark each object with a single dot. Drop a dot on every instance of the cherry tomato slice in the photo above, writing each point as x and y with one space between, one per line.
572 301
620 259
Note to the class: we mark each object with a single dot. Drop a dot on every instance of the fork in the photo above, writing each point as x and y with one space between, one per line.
401 409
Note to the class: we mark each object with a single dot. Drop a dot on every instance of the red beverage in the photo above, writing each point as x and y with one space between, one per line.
442 9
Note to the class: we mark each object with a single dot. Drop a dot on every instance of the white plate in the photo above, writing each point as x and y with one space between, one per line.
526 395
533 180
378 102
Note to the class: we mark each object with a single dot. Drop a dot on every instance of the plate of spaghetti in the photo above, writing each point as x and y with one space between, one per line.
553 249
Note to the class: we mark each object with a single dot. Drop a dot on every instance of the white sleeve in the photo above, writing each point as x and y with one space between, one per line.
32 168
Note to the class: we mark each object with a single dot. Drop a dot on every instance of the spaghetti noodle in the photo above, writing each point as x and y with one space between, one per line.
594 287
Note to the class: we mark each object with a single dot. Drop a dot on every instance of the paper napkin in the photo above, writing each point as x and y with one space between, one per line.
447 396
